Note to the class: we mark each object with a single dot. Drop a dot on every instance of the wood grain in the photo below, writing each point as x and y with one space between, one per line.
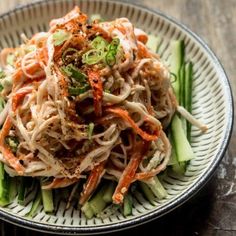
215 22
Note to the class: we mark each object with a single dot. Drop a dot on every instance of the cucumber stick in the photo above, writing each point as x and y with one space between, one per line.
36 203
22 190
12 188
147 192
87 210
176 61
156 187
182 95
178 167
188 93
182 87
109 190
173 158
97 203
127 205
4 186
182 147
47 197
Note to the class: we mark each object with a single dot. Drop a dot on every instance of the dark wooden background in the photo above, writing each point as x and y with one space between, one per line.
213 210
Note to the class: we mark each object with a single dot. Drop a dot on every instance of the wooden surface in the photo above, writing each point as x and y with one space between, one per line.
213 210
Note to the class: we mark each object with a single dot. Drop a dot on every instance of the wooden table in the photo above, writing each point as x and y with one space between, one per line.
213 211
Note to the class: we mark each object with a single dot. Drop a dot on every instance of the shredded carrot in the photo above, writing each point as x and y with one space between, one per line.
147 175
42 55
96 84
121 29
125 115
92 182
6 151
142 38
18 97
17 76
129 172
69 21
142 51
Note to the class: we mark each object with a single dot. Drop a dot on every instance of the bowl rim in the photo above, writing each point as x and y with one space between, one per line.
129 223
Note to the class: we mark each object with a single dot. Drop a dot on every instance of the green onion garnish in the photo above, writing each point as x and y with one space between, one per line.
2 74
71 71
110 58
112 51
75 91
101 50
69 50
60 36
90 130
99 43
114 44
93 56
2 103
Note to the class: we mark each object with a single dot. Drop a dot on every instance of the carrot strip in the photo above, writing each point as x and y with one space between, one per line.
17 98
92 182
146 175
125 115
142 51
96 84
129 172
6 151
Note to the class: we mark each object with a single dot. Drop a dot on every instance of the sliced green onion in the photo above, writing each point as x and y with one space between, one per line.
114 44
93 56
99 43
69 50
2 103
13 143
60 36
90 130
75 91
2 74
110 58
71 71
112 51
11 59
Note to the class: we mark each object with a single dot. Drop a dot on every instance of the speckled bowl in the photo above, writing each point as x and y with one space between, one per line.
212 103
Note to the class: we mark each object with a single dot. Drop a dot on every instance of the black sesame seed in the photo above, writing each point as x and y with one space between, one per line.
21 162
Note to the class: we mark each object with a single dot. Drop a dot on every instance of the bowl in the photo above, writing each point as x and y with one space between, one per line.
212 103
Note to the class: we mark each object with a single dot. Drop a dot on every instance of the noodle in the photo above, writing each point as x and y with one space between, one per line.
76 105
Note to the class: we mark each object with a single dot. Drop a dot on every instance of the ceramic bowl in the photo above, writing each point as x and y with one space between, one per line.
212 104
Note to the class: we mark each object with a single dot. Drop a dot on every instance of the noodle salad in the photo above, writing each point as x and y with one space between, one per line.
89 107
